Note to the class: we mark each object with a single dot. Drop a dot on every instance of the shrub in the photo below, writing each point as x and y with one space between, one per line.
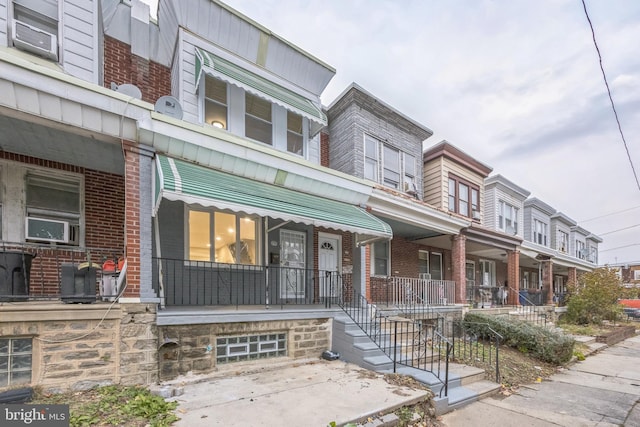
543 344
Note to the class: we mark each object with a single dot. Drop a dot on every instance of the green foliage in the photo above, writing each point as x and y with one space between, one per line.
594 298
541 343
579 355
116 405
405 415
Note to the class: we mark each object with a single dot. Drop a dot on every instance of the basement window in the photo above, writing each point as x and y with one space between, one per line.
250 347
15 361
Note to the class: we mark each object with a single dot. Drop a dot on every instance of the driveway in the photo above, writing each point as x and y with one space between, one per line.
603 390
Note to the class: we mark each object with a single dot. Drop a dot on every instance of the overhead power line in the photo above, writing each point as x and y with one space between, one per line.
613 106
620 229
609 214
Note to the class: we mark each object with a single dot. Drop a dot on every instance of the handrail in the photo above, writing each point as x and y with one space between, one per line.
495 335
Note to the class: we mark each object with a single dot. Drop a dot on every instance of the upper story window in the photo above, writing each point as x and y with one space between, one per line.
258 122
222 237
410 173
507 217
563 241
371 158
539 232
53 209
215 103
295 137
391 167
636 274
581 251
35 27
464 197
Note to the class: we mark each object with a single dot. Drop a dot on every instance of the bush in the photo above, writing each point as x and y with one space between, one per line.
595 297
541 343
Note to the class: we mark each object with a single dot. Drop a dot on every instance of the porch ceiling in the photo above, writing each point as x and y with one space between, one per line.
190 183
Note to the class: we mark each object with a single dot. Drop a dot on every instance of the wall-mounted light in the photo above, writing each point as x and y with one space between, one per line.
217 124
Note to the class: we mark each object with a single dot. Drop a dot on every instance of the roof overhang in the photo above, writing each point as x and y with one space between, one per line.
541 253
179 180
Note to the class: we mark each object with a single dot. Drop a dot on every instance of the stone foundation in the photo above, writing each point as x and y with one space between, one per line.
192 348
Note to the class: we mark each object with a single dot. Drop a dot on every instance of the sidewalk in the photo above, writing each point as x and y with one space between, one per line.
308 394
602 390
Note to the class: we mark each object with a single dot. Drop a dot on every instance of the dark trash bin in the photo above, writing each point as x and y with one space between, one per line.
15 272
78 283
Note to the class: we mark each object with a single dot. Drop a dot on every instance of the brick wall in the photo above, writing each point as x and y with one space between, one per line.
324 149
121 66
132 220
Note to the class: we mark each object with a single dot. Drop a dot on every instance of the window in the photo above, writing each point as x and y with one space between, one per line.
15 361
636 274
258 121
487 273
410 173
215 103
370 158
391 167
563 242
53 206
430 263
464 197
581 251
539 232
222 237
380 263
295 139
507 218
35 27
252 347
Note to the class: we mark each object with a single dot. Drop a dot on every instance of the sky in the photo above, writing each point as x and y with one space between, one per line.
516 84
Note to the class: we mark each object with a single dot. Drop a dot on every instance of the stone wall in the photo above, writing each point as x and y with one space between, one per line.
79 346
191 348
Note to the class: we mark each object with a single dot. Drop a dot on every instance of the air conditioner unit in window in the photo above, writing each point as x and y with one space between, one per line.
425 276
47 230
35 40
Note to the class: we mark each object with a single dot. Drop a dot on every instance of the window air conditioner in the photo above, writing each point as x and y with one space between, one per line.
47 230
425 276
34 40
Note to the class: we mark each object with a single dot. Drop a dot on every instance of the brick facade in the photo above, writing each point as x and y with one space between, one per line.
513 276
324 149
121 66
458 264
132 221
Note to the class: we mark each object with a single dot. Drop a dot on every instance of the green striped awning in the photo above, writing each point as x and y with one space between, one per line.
193 184
220 68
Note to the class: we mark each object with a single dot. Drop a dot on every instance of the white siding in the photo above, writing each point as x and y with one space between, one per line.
79 42
490 209
4 21
511 199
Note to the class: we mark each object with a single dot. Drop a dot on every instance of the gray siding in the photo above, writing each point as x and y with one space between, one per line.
532 213
79 39
490 214
4 17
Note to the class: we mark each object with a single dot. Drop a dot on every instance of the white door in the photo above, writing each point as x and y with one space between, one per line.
293 257
328 263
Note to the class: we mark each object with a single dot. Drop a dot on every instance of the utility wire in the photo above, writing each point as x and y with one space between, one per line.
620 229
620 247
609 214
624 141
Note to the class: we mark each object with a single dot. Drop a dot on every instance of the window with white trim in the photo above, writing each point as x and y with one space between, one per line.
216 102
380 258
295 137
539 232
35 26
563 241
391 166
371 158
636 274
388 165
507 217
581 249
15 361
53 209
258 121
410 173
430 263
222 237
487 273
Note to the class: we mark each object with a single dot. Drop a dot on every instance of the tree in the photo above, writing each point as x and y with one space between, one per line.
595 296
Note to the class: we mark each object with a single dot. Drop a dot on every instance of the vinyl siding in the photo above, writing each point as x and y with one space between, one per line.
4 18
493 197
432 182
530 214
79 41
437 188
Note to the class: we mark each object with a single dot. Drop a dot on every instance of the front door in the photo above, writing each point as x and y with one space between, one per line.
293 257
328 262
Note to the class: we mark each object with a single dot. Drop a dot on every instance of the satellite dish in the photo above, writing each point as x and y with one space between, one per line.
127 89
170 106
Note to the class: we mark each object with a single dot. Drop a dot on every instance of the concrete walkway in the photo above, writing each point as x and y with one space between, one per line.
603 390
308 394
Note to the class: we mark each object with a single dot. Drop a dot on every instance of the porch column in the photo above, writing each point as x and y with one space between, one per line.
513 276
458 257
132 221
572 274
547 280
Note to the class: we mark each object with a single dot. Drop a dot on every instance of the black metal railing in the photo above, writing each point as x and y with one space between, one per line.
414 340
485 296
529 311
473 348
201 283
30 271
